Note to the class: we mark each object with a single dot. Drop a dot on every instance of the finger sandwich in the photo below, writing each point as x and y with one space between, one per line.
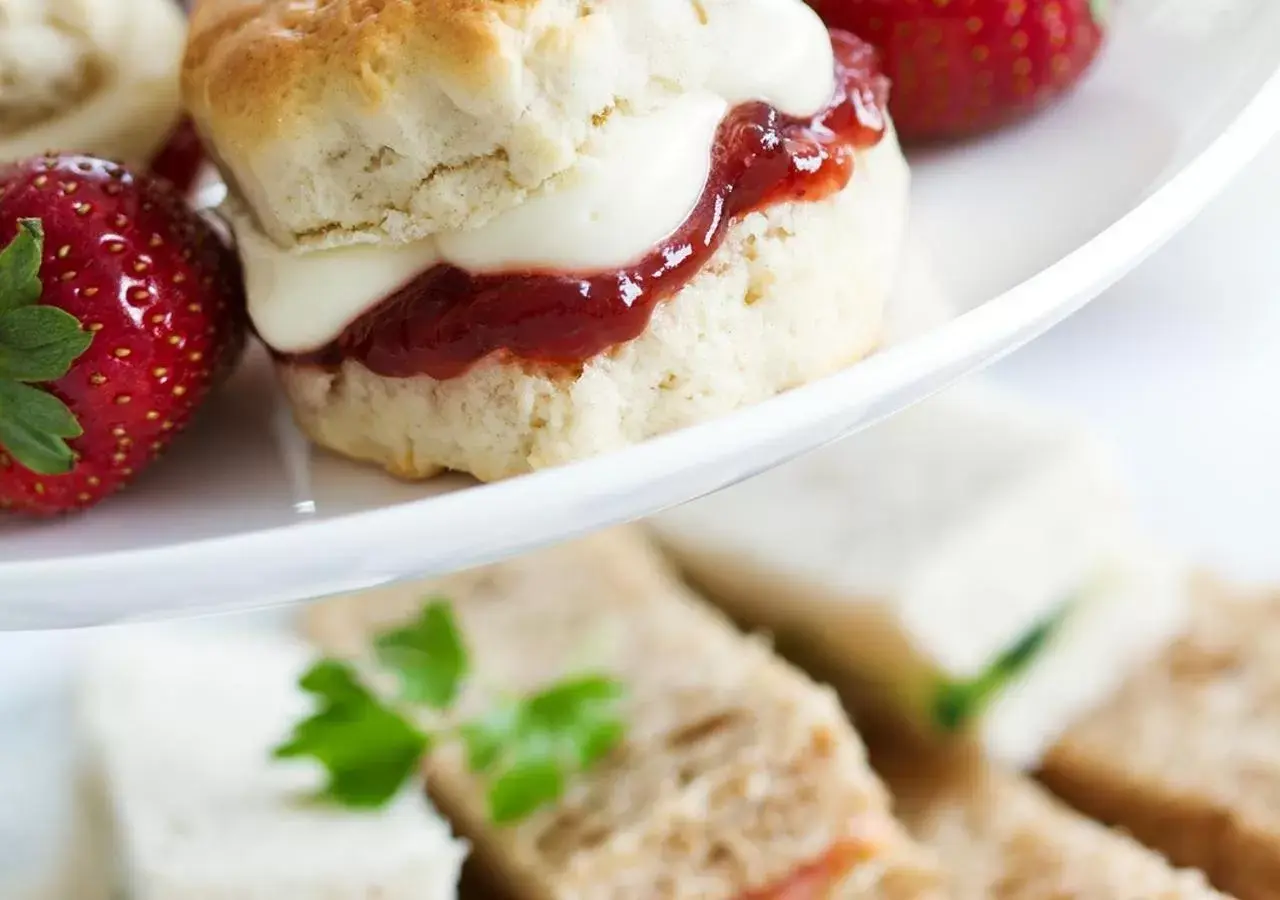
738 777
180 724
1185 756
971 566
999 836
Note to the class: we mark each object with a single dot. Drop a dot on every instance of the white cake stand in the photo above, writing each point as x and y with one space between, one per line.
1021 230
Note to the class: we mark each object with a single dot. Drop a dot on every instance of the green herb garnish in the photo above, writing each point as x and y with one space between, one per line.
529 745
37 344
958 702
368 749
428 656
528 748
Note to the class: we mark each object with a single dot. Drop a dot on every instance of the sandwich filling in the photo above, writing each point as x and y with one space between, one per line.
550 282
818 879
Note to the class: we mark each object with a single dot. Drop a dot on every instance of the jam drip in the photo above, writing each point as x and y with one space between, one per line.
447 319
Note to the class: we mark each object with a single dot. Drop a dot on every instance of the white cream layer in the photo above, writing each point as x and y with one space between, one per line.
636 182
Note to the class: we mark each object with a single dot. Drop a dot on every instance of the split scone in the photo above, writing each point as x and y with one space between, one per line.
499 236
180 723
1186 756
972 565
999 836
738 778
89 76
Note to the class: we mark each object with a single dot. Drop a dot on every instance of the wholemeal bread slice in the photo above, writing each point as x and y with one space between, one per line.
1187 755
999 836
739 777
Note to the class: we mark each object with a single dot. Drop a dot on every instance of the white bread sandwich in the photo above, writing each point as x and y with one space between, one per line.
1186 757
999 836
180 725
971 565
497 236
737 777
89 76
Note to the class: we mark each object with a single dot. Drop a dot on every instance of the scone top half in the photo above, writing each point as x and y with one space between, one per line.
350 121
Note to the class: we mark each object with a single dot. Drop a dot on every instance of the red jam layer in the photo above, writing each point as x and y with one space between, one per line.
447 319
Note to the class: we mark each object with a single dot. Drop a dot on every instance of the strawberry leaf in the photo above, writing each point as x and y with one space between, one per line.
1100 10
33 427
39 343
20 266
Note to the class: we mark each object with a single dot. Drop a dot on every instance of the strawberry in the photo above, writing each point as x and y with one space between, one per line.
119 309
181 157
960 67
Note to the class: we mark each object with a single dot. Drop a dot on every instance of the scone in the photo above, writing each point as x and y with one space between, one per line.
89 76
499 236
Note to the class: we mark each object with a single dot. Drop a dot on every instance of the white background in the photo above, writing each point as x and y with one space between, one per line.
1179 365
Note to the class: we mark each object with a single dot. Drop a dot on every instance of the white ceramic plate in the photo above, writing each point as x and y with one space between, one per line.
1021 230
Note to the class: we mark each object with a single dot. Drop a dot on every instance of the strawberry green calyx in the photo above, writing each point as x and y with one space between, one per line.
1101 11
37 344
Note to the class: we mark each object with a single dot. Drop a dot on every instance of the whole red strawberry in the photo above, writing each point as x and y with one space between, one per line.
119 308
960 67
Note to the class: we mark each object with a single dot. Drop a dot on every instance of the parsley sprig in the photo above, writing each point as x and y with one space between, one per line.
527 748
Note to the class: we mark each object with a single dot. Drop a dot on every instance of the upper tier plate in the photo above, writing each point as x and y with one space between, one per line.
1020 230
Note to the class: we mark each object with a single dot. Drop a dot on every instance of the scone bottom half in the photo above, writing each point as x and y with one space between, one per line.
777 276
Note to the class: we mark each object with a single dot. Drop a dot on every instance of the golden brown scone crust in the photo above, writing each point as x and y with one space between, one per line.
360 121
259 67
371 121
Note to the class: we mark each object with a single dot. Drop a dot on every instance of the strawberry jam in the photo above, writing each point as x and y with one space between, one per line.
447 319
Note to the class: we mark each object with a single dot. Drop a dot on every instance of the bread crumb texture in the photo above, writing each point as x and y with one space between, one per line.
1187 755
1000 836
